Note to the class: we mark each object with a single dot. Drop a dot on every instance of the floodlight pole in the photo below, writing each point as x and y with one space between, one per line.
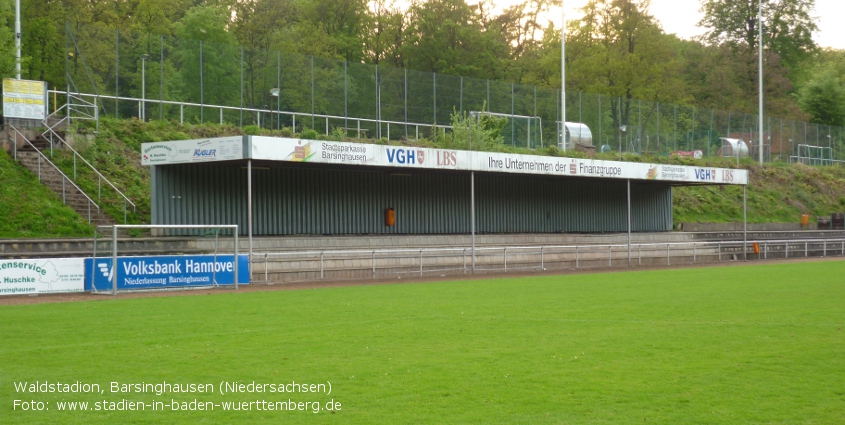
18 39
760 74
563 75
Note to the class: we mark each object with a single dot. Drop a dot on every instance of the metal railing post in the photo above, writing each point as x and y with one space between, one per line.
576 257
787 249
374 263
542 259
421 263
806 249
667 254
824 248
693 253
465 260
266 265
639 254
720 252
506 258
610 256
765 250
321 264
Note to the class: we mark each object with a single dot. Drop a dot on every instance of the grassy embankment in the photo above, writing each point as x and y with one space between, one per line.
778 192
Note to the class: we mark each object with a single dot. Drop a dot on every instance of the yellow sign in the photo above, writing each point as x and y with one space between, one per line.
24 99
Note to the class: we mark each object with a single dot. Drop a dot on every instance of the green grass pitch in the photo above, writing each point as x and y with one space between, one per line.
759 344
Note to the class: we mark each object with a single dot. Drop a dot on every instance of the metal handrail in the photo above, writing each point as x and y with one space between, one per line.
90 201
258 110
652 250
101 176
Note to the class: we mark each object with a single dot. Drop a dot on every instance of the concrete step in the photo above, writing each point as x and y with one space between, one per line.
59 184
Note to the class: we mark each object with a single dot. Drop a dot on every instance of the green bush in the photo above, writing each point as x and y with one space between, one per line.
308 134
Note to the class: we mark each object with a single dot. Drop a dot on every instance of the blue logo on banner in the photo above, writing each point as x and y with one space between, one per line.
165 271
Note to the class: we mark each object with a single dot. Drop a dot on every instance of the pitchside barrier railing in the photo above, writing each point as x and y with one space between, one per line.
113 231
302 266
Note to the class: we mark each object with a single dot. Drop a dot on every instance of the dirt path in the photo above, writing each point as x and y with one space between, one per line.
57 298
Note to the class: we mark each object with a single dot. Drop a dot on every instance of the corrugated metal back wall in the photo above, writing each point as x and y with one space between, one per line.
291 200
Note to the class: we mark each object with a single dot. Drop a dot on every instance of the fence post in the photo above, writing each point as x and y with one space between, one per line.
266 264
374 263
421 263
720 252
806 249
506 258
321 264
667 254
542 262
787 249
824 248
610 256
693 253
639 254
465 260
765 250
576 257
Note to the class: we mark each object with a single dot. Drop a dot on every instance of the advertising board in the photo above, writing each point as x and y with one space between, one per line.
327 152
42 276
162 272
193 151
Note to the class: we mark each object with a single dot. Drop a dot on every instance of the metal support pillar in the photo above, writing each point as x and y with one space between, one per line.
744 221
629 222
472 214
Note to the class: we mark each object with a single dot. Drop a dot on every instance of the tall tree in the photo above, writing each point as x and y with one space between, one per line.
208 57
788 26
385 33
823 96
619 49
448 36
7 38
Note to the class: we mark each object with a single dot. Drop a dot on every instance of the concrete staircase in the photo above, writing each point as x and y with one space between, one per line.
51 177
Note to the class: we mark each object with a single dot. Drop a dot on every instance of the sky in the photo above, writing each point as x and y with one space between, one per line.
681 17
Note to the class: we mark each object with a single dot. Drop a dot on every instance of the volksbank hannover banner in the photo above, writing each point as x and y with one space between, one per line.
172 271
42 276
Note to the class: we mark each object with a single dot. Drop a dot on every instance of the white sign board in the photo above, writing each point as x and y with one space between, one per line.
193 151
295 150
42 276
24 99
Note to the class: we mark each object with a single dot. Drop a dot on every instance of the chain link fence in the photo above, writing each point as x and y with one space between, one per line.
157 77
